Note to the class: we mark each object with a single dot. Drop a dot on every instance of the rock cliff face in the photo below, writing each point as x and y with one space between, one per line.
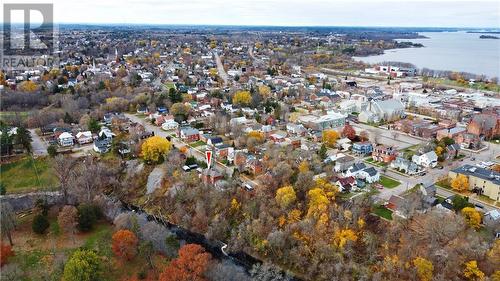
23 202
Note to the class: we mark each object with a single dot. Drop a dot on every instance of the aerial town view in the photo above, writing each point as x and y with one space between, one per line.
250 140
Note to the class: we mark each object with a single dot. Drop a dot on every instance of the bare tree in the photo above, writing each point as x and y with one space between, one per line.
68 219
63 168
7 220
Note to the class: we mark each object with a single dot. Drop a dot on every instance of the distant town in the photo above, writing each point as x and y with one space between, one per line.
241 153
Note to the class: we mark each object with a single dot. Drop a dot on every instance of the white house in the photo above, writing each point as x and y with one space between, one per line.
66 139
84 137
170 125
106 132
428 159
361 171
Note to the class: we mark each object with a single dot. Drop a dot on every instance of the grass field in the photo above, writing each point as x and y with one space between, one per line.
388 182
28 174
383 212
6 115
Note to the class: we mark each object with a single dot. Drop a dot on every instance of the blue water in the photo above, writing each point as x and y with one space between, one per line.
455 51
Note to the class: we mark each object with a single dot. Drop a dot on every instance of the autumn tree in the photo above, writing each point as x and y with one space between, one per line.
330 137
27 86
424 268
472 272
242 98
460 183
285 196
191 265
259 136
84 265
5 253
349 132
342 236
180 111
124 244
155 148
264 91
472 217
364 136
318 202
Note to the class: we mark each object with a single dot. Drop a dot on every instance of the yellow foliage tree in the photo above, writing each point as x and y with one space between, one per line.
318 202
341 237
439 150
259 136
242 98
154 148
330 189
424 268
472 272
27 86
264 91
294 216
460 183
303 167
330 137
285 196
472 217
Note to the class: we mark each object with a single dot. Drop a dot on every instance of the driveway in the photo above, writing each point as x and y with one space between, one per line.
38 145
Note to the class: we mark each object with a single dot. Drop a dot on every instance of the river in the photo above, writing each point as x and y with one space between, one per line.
455 51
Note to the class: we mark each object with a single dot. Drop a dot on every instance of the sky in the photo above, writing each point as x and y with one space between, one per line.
403 13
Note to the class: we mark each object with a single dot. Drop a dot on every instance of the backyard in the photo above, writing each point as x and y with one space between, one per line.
382 211
28 174
388 182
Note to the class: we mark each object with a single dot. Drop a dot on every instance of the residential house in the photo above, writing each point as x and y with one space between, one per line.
344 144
406 166
481 181
492 219
170 125
468 141
214 141
361 171
362 148
346 184
66 139
452 151
296 129
370 175
84 137
105 133
343 163
428 160
385 154
211 176
102 145
397 205
189 134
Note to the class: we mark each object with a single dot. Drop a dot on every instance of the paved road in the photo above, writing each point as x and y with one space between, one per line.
220 69
38 145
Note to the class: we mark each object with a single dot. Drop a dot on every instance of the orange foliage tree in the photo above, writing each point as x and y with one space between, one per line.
125 244
191 265
5 253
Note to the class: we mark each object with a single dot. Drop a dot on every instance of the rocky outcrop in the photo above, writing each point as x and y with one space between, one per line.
27 201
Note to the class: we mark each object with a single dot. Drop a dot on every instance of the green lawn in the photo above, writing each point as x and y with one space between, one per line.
7 115
383 212
197 143
169 85
388 182
28 174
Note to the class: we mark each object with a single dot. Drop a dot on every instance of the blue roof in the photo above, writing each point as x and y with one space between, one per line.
481 173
